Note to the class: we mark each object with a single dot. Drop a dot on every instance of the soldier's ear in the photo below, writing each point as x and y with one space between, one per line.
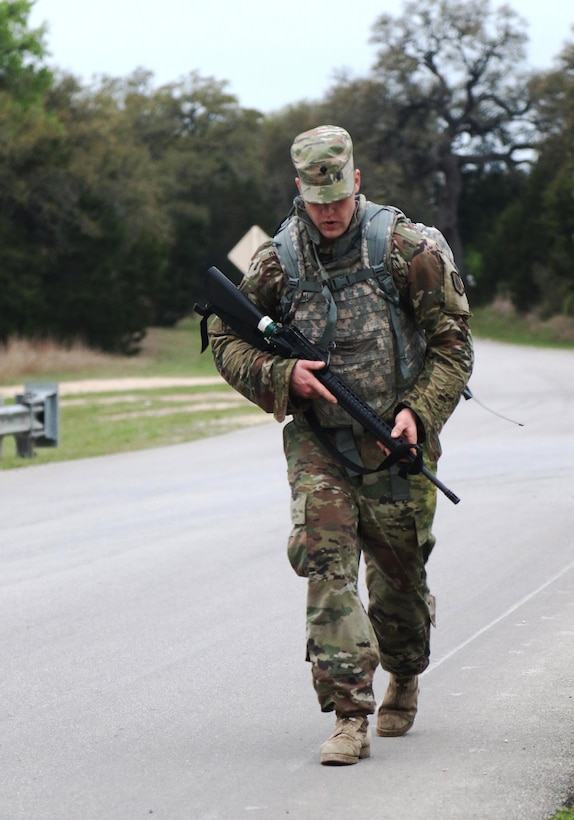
298 184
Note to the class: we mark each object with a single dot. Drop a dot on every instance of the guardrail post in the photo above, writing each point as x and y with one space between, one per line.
33 420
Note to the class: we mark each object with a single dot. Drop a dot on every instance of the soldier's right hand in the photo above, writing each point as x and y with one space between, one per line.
305 385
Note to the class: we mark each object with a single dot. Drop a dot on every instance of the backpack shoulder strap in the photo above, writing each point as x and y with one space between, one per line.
378 225
378 229
284 247
287 255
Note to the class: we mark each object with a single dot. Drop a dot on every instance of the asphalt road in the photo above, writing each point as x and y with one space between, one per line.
152 631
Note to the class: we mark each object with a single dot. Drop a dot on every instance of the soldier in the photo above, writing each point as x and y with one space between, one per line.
402 342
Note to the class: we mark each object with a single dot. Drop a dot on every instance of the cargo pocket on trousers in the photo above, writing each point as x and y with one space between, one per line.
297 543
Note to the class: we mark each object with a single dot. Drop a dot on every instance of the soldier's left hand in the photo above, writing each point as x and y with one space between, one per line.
405 428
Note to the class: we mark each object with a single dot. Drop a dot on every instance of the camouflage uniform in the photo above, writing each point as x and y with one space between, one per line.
337 516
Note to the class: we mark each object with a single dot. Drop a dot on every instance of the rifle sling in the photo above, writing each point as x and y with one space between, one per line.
351 466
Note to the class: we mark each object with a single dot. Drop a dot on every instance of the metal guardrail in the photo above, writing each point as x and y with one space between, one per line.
33 419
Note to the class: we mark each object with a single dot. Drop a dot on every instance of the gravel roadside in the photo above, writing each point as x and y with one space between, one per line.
75 388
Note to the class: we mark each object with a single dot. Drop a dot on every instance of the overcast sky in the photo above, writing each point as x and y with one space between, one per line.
270 55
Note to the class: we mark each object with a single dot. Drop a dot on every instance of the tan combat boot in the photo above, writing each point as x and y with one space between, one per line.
350 741
399 707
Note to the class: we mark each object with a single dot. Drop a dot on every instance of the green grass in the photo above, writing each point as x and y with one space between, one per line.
93 424
97 424
103 423
501 324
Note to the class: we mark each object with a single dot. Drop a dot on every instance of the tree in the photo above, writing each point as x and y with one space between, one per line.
116 199
22 73
83 235
25 131
207 153
452 96
108 236
534 243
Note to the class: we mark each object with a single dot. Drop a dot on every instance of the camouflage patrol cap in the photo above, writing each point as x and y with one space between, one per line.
323 159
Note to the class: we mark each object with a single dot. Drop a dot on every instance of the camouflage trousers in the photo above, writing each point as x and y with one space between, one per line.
335 519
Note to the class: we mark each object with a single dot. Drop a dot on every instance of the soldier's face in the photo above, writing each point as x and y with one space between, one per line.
333 218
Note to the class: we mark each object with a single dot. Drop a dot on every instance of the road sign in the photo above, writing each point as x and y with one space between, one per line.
241 254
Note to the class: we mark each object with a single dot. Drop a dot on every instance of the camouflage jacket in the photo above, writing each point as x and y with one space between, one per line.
431 291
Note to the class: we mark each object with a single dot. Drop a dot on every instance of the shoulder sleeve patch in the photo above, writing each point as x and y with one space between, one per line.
457 282
455 300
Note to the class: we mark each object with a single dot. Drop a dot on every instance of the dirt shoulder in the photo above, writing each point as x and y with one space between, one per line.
75 388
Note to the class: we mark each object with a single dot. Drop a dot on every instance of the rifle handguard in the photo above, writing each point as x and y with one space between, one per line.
221 297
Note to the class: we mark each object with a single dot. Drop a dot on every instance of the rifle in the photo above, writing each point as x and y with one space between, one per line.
221 297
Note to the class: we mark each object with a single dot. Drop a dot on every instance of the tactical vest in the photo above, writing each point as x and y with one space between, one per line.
374 342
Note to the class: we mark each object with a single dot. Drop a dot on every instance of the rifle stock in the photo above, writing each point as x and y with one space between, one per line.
221 297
